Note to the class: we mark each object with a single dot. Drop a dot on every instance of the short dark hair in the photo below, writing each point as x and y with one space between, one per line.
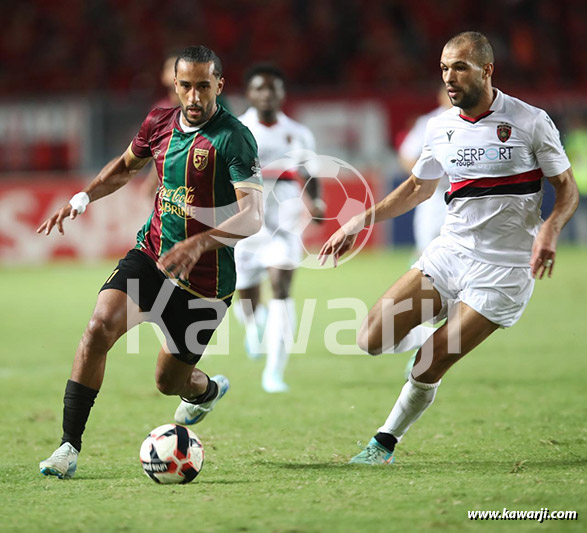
263 68
482 49
200 54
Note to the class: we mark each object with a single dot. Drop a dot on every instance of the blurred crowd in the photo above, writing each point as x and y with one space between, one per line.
76 46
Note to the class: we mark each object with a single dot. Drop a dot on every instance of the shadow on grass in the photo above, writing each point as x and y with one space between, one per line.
485 467
497 465
224 481
303 466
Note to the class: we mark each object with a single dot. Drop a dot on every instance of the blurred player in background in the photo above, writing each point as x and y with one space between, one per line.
182 268
167 77
575 143
430 214
276 250
480 271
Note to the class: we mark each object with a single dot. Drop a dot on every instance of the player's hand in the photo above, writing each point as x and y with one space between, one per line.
543 252
181 259
57 220
338 244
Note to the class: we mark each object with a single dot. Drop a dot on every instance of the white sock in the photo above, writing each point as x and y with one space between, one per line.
413 400
261 316
278 336
252 333
412 341
292 320
292 316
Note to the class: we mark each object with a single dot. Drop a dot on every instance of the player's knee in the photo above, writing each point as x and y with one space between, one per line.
281 291
367 342
101 333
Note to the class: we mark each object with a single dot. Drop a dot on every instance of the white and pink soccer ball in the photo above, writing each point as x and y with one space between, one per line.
172 454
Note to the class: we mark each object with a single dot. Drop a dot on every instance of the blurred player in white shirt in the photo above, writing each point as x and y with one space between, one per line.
480 271
276 250
430 214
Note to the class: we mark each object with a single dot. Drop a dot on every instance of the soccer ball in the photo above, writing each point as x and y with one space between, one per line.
172 454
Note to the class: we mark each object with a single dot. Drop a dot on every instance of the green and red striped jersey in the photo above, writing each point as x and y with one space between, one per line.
198 173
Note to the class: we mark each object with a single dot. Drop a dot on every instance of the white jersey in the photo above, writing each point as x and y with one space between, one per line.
278 244
276 140
495 164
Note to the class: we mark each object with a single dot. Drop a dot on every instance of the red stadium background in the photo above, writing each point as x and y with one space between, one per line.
77 79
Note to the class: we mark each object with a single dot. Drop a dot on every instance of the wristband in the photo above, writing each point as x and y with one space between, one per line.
79 202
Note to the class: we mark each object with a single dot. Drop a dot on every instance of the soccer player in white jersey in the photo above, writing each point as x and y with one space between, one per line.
480 271
429 215
276 249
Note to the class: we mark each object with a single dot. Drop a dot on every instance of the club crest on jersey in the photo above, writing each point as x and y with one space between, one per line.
200 158
504 132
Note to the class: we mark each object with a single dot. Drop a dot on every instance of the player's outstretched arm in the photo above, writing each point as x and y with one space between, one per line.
565 204
408 195
111 178
246 221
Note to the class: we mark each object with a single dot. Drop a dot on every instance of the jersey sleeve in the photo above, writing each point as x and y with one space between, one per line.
428 167
243 161
140 147
548 148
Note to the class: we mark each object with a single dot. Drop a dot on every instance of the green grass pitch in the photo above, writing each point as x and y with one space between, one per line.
507 429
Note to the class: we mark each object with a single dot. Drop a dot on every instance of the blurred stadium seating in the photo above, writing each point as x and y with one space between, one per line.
78 77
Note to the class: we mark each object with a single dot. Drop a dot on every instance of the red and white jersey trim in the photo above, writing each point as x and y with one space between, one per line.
275 141
524 183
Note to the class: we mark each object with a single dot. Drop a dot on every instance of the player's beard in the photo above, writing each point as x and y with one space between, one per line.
206 113
469 99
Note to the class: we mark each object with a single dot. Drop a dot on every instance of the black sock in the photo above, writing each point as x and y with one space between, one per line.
209 394
387 440
77 402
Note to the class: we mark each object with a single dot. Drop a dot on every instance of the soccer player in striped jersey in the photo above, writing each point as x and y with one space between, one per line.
480 271
209 197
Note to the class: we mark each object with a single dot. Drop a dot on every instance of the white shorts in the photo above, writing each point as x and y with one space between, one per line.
279 242
499 293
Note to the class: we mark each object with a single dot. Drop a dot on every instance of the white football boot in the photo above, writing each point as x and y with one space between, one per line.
273 383
190 413
62 463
